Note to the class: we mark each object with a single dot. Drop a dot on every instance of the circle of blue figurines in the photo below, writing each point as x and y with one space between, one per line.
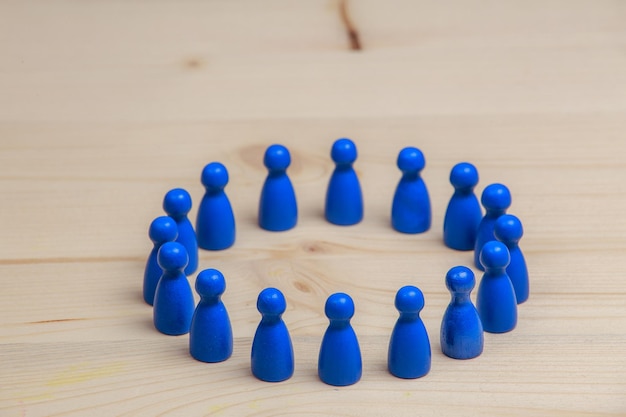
494 237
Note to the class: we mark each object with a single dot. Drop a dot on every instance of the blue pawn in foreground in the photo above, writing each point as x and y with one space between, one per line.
340 356
173 299
210 336
162 229
496 301
215 224
177 203
409 347
508 230
463 214
278 210
344 201
496 198
461 334
410 210
272 352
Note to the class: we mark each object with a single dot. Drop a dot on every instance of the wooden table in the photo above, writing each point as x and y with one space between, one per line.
107 105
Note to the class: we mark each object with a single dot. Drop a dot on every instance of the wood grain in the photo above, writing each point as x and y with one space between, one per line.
107 105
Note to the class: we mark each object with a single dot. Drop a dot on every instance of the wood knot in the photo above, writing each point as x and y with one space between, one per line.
193 63
252 156
313 247
302 287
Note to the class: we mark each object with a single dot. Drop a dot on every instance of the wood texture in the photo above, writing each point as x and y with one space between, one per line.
107 105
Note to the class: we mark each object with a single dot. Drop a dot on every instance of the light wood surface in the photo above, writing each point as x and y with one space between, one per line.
104 106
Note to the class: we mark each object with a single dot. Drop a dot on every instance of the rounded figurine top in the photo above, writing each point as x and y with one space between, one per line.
163 229
409 299
177 202
214 176
210 283
172 256
460 279
464 175
277 158
339 306
495 255
411 159
508 229
271 302
343 151
496 197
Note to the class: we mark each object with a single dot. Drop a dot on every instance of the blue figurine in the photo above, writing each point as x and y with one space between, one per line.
177 203
344 200
410 210
496 302
278 210
173 299
463 214
508 230
409 347
272 352
496 198
340 356
162 229
215 224
210 335
461 334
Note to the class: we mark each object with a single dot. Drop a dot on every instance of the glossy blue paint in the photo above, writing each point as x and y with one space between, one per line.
410 209
344 200
177 204
272 352
215 224
339 361
461 335
173 299
278 209
496 199
496 302
509 230
162 229
210 335
409 354
463 214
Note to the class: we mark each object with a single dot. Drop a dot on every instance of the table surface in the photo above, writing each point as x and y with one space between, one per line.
107 105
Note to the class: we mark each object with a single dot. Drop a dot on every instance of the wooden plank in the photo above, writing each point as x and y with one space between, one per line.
107 105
